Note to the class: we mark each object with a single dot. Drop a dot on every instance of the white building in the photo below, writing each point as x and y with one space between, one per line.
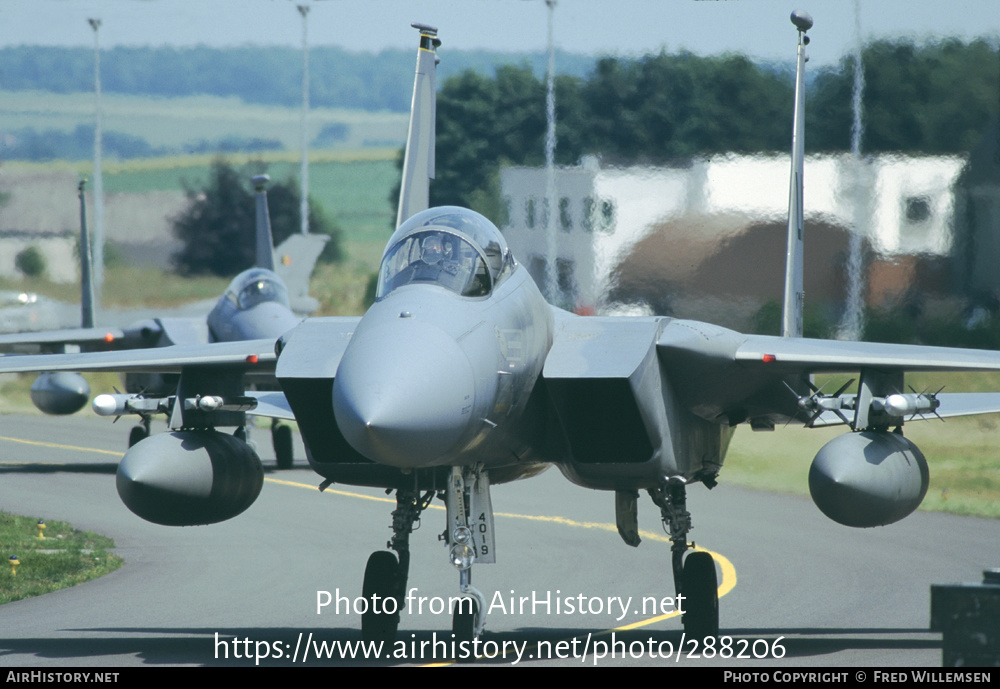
903 205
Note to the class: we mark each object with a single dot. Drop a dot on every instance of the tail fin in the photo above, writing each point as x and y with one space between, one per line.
791 315
418 165
296 259
86 266
265 245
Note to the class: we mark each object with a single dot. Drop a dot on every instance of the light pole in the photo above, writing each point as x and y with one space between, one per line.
304 174
552 275
98 241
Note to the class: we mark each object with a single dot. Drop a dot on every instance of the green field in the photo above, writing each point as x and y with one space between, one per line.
351 187
174 122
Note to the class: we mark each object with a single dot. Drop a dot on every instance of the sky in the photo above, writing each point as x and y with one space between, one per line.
758 28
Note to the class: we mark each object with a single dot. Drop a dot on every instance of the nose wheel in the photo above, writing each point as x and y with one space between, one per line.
465 619
380 620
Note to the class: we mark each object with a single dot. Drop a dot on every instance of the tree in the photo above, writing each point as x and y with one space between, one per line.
30 262
217 228
932 98
483 123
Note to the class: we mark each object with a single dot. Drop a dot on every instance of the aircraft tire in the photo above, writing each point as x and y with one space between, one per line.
701 596
380 585
136 434
463 626
281 437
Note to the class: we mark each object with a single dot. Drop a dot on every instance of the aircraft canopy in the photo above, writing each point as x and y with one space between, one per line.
255 286
452 247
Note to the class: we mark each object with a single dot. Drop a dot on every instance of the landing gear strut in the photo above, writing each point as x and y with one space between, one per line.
470 540
386 575
694 572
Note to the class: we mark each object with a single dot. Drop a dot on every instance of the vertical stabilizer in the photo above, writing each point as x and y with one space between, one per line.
265 245
791 315
418 165
86 265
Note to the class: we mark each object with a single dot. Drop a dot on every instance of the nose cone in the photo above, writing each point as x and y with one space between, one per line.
404 394
264 320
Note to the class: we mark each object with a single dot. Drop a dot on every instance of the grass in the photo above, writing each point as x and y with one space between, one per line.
351 187
64 558
130 287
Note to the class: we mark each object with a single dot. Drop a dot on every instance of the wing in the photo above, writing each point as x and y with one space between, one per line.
252 356
89 337
728 376
154 332
644 378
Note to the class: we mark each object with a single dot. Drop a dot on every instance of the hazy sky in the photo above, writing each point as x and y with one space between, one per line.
759 28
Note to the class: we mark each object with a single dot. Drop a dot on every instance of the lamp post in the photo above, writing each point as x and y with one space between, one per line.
304 174
98 239
552 249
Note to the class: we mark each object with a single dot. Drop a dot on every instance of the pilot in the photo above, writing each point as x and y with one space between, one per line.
432 251
256 292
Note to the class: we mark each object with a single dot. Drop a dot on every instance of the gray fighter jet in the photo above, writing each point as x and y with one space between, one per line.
256 304
461 376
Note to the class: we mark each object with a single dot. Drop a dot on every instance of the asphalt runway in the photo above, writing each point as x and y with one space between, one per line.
794 583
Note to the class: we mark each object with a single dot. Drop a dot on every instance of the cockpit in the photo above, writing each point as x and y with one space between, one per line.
255 287
451 247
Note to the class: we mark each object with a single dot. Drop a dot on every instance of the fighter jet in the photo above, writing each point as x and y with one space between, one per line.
256 304
461 376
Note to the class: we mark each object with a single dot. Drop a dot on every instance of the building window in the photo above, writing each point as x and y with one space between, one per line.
566 276
606 219
565 219
529 212
588 214
918 209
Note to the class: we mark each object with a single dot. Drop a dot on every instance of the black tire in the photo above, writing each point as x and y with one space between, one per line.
700 587
381 583
136 434
463 626
281 436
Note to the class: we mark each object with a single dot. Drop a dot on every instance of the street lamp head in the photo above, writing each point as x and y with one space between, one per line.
803 22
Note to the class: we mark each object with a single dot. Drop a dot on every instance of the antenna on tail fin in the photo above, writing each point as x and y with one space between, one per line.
791 315
265 245
86 265
418 165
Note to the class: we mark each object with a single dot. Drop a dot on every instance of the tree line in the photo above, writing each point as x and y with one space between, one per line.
255 74
935 98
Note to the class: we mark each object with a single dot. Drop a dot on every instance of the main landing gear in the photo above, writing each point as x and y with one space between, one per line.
694 572
469 537
281 438
385 575
139 432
